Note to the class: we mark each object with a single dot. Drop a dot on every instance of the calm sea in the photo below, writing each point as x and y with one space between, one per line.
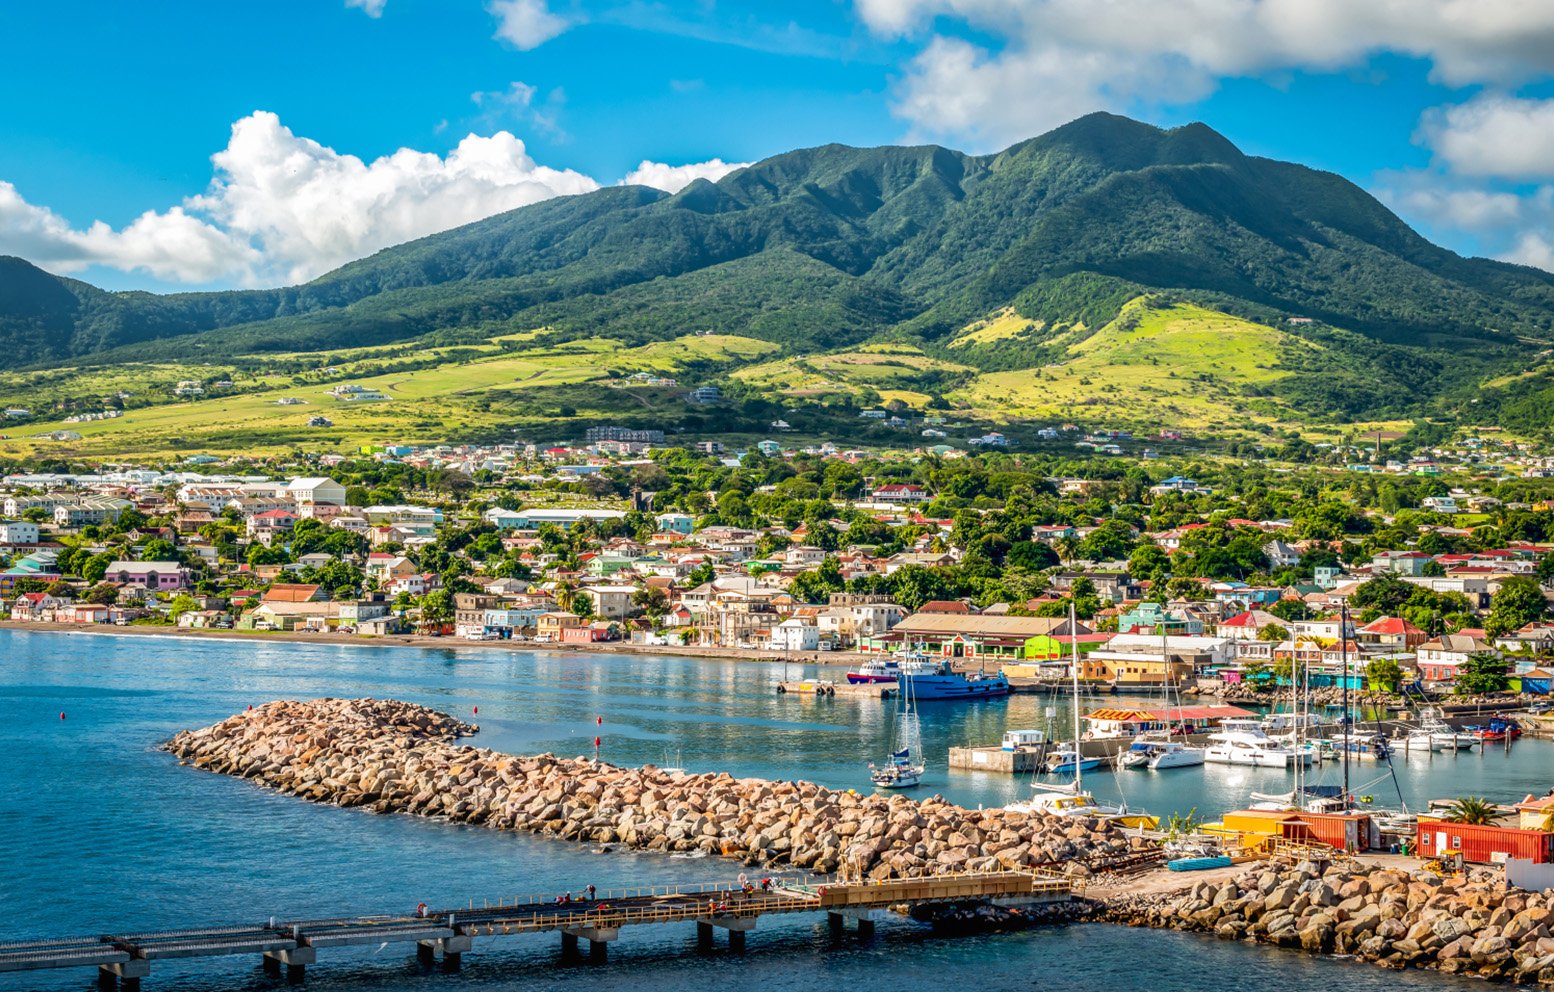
100 832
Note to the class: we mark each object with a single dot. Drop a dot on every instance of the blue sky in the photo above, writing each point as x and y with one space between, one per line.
176 145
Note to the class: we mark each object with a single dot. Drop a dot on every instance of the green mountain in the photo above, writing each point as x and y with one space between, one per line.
826 248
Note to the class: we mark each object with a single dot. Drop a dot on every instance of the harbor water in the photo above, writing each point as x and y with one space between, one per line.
100 831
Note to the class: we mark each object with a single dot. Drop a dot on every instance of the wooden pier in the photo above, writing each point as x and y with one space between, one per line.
444 936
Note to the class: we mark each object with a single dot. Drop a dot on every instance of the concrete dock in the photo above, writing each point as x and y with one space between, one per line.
826 687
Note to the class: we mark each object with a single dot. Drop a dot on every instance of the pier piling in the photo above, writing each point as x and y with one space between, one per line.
703 936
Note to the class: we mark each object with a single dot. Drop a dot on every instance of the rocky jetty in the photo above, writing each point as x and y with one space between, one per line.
396 757
1474 926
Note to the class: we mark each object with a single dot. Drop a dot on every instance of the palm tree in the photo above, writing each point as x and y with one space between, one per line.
565 593
1471 810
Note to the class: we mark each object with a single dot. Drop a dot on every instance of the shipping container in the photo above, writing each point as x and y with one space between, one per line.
1482 845
1257 821
1344 831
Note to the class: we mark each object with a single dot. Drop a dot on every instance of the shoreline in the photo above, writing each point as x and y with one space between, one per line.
423 641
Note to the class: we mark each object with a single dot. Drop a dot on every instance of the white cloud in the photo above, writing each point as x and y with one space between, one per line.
283 208
372 8
1494 135
172 246
526 24
1501 224
673 178
1049 60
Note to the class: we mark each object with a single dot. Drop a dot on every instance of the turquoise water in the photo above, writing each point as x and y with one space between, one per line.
100 831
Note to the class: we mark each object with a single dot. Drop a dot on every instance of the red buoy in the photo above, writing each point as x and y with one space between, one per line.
477 711
599 721
61 714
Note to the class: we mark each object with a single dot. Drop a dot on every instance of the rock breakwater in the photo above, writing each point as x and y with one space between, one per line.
1386 916
396 757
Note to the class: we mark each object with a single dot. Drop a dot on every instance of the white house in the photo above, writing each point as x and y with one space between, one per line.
794 634
611 602
18 532
319 490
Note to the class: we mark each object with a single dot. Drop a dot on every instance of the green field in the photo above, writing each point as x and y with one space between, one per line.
1179 366
494 389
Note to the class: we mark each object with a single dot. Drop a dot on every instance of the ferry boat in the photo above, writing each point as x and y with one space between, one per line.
941 681
875 670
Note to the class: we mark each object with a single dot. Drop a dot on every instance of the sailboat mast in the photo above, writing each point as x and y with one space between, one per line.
1343 640
1073 645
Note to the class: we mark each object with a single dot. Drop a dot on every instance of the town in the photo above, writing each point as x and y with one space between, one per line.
1440 558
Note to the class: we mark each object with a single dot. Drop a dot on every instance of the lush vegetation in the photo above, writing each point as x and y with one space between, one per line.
824 248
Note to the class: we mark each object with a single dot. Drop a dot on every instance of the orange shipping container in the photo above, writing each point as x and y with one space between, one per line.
1484 845
1345 831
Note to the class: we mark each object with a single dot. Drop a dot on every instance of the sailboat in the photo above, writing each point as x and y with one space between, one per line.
904 768
1058 800
1156 750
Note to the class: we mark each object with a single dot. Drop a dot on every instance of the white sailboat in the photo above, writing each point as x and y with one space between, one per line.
1057 800
1156 750
904 768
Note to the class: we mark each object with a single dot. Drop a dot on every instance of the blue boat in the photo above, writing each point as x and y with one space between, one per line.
939 681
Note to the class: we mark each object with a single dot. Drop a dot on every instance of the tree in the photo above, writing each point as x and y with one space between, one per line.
1384 674
817 585
102 594
159 549
702 573
1031 556
1386 593
181 604
582 605
1272 632
1483 672
652 601
436 608
35 514
1519 602
1289 609
1471 810
59 589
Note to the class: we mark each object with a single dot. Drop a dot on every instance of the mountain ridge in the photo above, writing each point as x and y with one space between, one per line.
834 244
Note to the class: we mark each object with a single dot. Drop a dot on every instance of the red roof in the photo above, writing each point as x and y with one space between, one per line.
275 515
1391 625
1247 619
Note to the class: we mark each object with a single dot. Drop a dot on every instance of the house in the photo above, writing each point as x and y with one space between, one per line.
1245 626
319 490
675 523
34 606
704 394
469 612
900 493
1148 617
1439 504
415 584
271 526
18 532
531 518
156 576
298 592
1404 563
1281 555
385 567
1391 632
611 602
1439 659
795 634
90 511
551 626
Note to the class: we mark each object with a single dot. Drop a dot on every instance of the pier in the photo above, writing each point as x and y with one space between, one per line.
441 937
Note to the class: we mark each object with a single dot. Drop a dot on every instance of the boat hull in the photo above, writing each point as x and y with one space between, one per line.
940 687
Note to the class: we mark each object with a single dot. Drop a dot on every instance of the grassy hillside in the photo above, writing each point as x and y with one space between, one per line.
974 269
